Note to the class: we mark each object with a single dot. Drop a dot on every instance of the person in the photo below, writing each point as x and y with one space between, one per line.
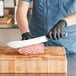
55 19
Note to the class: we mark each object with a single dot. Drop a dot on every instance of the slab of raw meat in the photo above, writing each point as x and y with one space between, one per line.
32 49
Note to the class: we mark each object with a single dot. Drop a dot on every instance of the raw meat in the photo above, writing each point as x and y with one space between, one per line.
32 49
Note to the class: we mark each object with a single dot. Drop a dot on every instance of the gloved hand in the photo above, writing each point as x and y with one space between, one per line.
26 36
57 31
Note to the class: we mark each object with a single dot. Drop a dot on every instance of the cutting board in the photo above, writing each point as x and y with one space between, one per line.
52 61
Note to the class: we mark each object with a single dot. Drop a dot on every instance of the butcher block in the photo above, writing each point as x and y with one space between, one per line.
52 61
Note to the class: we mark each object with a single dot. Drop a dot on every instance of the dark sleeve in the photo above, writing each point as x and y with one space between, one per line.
27 0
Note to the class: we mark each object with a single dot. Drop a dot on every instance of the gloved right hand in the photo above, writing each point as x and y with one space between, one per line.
57 31
26 36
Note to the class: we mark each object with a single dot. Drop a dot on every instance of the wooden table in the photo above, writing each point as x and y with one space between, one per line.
52 61
33 74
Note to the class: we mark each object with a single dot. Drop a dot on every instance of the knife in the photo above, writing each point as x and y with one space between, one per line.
18 44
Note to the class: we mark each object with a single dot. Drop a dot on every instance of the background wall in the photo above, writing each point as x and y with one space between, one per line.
7 35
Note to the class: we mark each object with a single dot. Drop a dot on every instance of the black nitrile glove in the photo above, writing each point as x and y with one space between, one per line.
26 36
57 31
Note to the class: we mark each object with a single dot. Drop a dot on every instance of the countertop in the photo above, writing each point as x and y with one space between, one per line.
71 69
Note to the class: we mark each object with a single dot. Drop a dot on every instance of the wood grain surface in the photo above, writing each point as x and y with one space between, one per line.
52 61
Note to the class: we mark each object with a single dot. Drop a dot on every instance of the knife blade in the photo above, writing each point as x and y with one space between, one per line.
18 44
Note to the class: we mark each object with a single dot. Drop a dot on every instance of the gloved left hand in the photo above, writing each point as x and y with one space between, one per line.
57 31
26 36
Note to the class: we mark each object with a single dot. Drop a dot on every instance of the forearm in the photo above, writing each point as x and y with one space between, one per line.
22 22
21 17
71 20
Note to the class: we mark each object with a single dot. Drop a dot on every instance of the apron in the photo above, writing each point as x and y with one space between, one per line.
46 13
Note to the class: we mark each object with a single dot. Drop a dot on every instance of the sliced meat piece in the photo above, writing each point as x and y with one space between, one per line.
32 49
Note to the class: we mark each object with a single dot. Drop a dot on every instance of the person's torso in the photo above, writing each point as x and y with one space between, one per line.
47 12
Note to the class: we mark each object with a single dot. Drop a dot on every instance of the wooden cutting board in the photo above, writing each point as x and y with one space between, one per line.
52 61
